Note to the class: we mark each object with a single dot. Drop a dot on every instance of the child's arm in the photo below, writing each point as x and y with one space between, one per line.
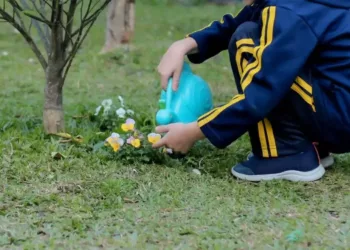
215 37
287 41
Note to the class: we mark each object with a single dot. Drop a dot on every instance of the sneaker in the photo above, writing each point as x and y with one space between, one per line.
327 160
304 166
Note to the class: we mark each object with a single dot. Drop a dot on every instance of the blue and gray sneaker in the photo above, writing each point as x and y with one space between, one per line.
304 166
327 160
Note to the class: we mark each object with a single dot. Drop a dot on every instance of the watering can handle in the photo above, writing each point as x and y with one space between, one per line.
169 91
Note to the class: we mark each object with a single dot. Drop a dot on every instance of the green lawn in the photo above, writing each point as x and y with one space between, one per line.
93 201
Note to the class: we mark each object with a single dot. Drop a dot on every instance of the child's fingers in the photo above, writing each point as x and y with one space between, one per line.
162 129
176 79
160 143
164 81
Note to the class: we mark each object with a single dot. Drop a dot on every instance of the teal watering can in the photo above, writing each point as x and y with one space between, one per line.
192 99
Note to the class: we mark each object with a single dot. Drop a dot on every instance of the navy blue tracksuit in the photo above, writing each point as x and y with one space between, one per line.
291 63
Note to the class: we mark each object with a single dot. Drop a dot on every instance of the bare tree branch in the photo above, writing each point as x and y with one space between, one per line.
74 52
43 36
47 31
35 49
69 24
57 34
87 19
56 30
16 8
14 4
40 10
81 37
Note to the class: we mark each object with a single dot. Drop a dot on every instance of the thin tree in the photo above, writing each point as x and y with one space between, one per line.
120 24
62 26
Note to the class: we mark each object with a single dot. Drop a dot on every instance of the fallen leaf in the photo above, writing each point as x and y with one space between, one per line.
78 139
79 116
65 141
57 155
64 135
127 200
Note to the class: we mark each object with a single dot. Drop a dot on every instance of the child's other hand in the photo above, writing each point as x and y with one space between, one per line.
172 61
179 137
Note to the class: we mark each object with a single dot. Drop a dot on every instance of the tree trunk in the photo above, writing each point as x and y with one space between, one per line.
53 116
120 24
129 22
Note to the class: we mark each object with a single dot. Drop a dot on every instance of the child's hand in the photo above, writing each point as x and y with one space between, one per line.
179 137
172 61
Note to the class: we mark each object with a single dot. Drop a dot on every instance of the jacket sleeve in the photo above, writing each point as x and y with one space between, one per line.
216 36
286 43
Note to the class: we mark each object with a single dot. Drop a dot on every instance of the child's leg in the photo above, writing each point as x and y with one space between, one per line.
241 50
282 142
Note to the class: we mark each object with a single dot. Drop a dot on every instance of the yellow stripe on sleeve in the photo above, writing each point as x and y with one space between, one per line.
268 19
244 64
245 41
308 99
304 84
208 118
207 114
243 46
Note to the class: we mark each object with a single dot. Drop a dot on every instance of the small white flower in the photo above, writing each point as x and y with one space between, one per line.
196 171
130 112
121 113
107 103
31 60
98 110
121 100
115 135
106 110
5 53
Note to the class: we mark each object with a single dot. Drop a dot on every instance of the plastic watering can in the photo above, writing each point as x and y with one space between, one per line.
192 99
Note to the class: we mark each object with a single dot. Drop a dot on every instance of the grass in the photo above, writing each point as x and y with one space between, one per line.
90 201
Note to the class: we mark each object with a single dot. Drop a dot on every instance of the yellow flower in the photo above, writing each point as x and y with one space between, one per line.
115 141
153 137
129 125
136 143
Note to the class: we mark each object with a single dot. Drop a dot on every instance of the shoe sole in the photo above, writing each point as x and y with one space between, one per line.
291 175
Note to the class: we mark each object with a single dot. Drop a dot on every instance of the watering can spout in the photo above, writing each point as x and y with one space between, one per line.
164 117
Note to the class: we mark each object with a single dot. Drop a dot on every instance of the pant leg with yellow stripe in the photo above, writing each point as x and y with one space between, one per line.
281 132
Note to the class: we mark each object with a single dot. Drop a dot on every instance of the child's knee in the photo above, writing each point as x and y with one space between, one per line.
244 31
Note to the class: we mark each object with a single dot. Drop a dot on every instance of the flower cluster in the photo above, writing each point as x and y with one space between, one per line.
132 137
132 142
107 107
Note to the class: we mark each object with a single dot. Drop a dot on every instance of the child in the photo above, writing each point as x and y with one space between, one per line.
291 63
